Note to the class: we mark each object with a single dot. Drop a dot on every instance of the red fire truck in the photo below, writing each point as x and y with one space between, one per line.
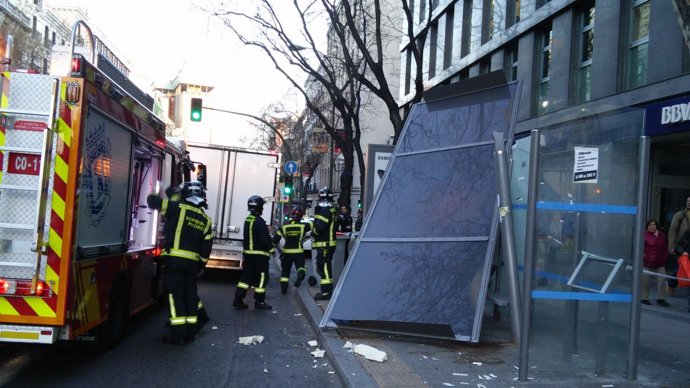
78 245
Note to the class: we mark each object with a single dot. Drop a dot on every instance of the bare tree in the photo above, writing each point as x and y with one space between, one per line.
359 33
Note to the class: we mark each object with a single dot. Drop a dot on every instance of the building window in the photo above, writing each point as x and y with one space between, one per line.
422 10
583 91
448 39
34 22
511 62
52 38
485 66
512 12
541 3
466 28
408 71
487 20
433 48
639 42
544 70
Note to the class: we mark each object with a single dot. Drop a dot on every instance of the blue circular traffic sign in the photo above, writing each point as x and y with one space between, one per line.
291 167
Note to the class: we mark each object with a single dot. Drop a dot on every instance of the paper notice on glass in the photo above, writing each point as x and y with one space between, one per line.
586 166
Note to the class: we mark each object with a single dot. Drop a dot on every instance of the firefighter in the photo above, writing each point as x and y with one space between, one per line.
293 231
175 194
257 249
187 246
323 235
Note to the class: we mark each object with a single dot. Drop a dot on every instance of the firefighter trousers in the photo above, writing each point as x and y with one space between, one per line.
180 285
287 260
324 267
254 274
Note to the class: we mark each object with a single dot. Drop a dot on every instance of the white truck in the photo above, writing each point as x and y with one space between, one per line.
231 176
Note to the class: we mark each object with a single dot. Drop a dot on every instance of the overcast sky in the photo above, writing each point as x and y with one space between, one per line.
158 38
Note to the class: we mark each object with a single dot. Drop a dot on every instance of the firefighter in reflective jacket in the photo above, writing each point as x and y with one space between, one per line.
323 235
293 232
187 246
257 249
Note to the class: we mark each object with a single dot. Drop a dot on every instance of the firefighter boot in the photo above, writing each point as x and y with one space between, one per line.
262 306
322 296
239 304
172 339
300 277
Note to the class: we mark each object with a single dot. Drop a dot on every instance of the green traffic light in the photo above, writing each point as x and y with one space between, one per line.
288 190
195 111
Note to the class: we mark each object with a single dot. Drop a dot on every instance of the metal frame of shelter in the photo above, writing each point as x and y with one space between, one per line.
422 262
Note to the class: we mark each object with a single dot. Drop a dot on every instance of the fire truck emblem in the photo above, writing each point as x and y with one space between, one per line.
96 182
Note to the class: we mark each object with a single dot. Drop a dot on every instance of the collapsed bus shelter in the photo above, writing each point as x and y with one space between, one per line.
422 263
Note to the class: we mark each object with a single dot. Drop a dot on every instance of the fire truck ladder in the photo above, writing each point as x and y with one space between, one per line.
25 179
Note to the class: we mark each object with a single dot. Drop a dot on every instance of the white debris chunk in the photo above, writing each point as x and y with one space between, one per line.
448 384
298 315
607 386
315 366
486 377
348 345
435 359
265 370
214 327
464 383
481 386
425 357
370 353
460 374
318 353
251 340
493 375
312 343
331 372
477 363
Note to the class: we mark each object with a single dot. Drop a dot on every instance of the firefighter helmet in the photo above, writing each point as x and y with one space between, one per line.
297 213
256 204
325 194
193 192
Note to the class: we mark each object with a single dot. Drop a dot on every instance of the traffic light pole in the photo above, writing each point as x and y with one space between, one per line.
261 120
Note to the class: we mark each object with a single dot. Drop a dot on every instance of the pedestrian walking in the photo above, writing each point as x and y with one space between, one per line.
292 232
186 248
323 236
679 224
257 249
655 254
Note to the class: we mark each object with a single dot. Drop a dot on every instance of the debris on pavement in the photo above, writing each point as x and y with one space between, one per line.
251 340
448 384
348 345
312 343
318 353
370 353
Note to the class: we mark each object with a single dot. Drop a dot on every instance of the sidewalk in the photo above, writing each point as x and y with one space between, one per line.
419 362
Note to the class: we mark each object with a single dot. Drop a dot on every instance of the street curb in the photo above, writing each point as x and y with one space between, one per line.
349 370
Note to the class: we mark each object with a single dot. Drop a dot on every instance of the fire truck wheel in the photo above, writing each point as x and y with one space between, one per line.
118 312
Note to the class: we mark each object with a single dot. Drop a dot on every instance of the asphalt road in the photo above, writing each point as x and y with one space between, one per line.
215 359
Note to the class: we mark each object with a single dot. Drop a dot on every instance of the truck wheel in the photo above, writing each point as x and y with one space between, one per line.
111 330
